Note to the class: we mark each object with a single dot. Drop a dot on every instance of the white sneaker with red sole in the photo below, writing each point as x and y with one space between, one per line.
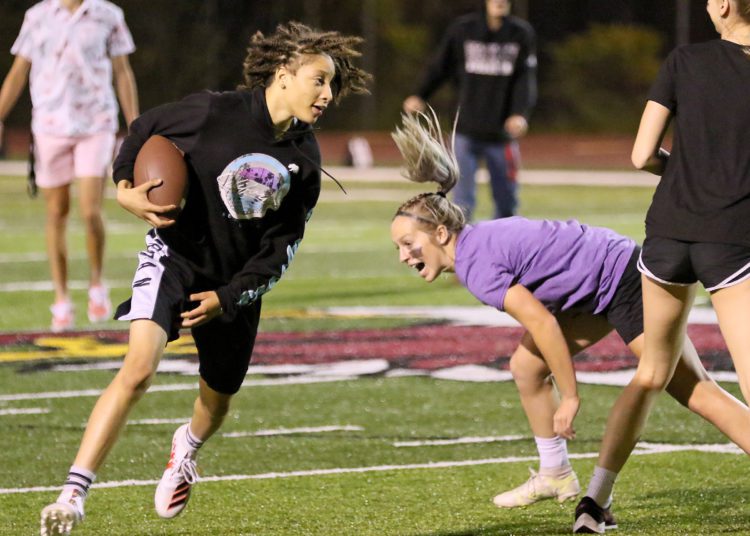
173 492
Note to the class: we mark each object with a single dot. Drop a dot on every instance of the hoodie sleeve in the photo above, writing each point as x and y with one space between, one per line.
524 91
443 65
179 121
283 232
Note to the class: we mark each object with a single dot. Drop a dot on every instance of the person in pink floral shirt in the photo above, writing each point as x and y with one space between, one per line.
70 51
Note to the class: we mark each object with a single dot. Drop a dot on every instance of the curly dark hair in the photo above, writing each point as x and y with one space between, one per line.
265 54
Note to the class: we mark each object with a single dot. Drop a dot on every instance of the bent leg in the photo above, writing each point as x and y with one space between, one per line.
665 315
147 342
209 411
732 306
535 388
692 387
532 375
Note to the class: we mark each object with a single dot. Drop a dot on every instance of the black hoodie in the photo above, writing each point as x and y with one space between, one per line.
494 72
249 195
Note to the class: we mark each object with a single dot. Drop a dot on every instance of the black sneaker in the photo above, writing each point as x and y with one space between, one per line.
589 517
610 523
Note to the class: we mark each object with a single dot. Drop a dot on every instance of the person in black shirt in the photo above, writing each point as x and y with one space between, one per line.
697 228
490 56
254 179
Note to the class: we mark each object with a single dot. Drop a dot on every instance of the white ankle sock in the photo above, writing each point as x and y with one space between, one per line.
192 441
79 480
600 487
553 454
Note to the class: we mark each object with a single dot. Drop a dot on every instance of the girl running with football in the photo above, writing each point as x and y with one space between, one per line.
567 283
254 179
697 228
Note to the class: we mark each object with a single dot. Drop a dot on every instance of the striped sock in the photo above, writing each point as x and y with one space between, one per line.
79 480
192 441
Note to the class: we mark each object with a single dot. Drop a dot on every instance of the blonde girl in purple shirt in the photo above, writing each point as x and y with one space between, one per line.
567 283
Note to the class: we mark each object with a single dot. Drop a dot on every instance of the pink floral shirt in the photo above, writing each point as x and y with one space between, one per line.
71 71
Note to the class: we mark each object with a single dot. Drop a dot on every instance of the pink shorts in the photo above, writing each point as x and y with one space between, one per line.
60 159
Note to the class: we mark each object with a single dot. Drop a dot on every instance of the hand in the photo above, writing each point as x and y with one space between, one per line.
563 419
2 129
208 309
135 201
516 126
413 104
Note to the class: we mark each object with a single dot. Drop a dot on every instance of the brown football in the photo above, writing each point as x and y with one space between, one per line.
160 159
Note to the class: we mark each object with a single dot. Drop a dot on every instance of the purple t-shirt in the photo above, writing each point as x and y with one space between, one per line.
566 265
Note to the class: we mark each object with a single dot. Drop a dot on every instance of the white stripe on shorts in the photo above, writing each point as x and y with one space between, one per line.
648 273
147 278
737 277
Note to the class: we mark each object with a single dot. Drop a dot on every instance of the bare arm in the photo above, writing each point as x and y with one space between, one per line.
125 86
13 85
543 327
648 155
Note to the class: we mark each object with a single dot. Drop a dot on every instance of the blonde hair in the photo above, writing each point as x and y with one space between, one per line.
428 158
290 42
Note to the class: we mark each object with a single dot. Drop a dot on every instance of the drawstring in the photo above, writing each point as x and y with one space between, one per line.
319 167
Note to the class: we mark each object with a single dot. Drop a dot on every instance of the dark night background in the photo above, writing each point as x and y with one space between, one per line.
188 45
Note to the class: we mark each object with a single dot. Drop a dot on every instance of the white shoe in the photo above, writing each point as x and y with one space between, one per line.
63 316
59 518
173 492
100 306
539 487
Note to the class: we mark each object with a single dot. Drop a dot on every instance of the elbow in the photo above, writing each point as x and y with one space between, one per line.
639 161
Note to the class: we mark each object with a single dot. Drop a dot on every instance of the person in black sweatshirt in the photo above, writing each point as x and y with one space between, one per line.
490 57
254 179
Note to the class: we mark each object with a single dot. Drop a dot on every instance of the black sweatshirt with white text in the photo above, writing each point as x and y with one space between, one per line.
249 197
493 71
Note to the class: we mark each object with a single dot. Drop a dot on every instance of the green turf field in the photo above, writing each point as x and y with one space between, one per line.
346 257
351 481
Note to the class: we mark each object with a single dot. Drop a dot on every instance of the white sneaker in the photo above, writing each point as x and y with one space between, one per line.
539 487
63 318
59 518
173 492
100 306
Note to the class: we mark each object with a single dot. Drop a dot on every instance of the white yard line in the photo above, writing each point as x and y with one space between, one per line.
23 411
458 441
662 449
158 421
175 387
293 431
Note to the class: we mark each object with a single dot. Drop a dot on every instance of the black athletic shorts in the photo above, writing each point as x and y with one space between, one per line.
674 262
162 286
625 311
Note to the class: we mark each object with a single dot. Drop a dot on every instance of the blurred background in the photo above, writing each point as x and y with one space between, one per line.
597 58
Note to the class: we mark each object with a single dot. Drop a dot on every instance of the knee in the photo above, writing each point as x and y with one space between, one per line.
650 381
525 377
136 378
91 217
57 213
216 409
696 397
